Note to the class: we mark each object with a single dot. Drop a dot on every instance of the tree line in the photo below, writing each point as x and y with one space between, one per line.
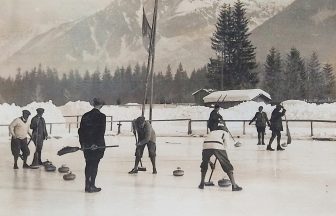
122 86
293 77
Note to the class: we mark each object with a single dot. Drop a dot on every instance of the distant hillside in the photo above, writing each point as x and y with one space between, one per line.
309 25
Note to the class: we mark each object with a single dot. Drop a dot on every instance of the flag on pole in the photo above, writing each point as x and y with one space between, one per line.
146 31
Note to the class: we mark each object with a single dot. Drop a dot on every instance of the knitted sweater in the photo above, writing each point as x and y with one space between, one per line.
19 129
216 139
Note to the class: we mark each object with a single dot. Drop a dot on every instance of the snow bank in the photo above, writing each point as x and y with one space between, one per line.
52 114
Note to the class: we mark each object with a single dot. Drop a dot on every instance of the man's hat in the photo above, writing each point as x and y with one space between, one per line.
98 102
25 112
140 120
40 110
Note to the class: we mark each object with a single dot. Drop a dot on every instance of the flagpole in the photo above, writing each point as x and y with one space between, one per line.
147 81
153 58
147 74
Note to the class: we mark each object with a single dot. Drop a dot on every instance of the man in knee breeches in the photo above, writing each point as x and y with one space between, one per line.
215 144
147 137
19 129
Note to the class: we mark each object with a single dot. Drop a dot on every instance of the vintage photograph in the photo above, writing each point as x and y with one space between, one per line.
168 107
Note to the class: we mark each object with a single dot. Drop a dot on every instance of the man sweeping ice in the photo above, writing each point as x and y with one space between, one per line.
147 138
215 144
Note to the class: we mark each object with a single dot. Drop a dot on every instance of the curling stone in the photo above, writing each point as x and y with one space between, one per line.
237 144
224 183
50 168
178 172
68 177
63 169
34 167
284 144
46 163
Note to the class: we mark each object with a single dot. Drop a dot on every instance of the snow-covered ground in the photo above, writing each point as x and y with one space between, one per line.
296 110
297 181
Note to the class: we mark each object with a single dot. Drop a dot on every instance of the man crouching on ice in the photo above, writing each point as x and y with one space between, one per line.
147 137
215 144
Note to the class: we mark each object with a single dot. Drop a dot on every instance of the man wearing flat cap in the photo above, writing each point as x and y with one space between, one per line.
146 137
91 133
19 129
216 118
39 134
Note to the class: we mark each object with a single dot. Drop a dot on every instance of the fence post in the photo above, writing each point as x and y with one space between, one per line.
69 127
111 123
311 129
50 128
244 130
189 127
77 121
119 126
207 127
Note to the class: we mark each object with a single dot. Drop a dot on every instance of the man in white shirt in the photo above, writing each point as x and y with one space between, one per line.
215 144
19 129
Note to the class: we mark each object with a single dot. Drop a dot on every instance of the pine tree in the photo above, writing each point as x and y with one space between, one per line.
273 79
329 81
180 84
234 67
168 87
314 79
107 86
295 76
220 68
244 59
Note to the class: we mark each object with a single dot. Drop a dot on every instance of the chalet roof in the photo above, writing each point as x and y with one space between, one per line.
207 90
235 95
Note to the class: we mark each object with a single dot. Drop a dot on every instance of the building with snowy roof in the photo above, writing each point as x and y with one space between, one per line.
200 94
235 97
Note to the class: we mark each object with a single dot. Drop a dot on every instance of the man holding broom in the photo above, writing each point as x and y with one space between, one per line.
146 137
39 134
215 144
91 134
276 127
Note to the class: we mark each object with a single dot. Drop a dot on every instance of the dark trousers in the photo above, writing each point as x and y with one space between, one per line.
220 155
38 142
91 170
18 145
277 134
261 134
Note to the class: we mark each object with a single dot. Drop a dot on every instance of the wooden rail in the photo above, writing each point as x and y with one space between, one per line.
189 123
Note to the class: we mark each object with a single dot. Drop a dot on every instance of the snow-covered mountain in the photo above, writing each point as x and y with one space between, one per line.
112 36
309 25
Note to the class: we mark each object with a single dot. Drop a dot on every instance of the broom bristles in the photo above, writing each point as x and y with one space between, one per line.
67 149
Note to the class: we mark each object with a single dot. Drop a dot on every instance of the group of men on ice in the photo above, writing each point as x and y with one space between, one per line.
20 130
92 131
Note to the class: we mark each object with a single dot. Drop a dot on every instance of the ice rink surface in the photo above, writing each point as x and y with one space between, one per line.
298 181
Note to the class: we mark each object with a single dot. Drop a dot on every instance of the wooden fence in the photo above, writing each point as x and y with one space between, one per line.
189 123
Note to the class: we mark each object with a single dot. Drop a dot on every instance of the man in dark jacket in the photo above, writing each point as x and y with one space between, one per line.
215 118
261 119
276 127
146 137
91 133
39 134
